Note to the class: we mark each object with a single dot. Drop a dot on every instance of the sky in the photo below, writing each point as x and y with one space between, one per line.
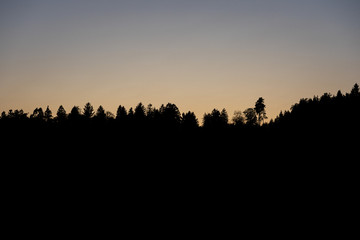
198 54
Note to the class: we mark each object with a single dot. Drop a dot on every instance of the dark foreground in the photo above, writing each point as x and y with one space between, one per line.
303 167
263 177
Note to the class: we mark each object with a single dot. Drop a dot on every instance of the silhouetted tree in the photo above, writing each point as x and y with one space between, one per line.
325 98
250 116
20 114
189 120
207 123
10 113
88 111
3 115
215 119
355 91
139 114
170 115
48 114
100 114
121 114
224 117
17 115
153 116
150 112
208 118
75 114
260 110
238 119
279 117
130 115
339 96
38 114
61 114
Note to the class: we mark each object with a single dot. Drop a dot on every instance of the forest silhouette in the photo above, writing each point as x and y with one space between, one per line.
305 155
329 120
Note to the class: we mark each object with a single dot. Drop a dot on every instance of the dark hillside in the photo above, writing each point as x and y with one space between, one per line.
305 161
317 129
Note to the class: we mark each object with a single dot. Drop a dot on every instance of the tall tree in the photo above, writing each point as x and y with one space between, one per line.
61 114
100 113
355 91
189 120
250 116
224 117
150 112
260 110
130 115
121 113
38 114
339 95
139 114
75 114
88 110
170 115
48 114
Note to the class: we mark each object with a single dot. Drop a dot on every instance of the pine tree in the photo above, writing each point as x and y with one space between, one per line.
260 110
75 114
61 113
355 91
189 120
139 114
121 113
48 114
224 118
100 113
88 110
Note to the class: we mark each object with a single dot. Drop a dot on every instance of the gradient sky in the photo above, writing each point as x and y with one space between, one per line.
198 54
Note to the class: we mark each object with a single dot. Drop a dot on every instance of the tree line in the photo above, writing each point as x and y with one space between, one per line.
327 111
167 116
339 109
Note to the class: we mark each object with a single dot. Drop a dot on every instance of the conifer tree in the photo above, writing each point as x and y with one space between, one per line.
61 113
48 114
88 110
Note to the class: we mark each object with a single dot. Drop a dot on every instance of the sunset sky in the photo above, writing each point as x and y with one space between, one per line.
198 54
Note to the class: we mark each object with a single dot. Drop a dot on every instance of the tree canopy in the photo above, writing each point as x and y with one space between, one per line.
324 111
